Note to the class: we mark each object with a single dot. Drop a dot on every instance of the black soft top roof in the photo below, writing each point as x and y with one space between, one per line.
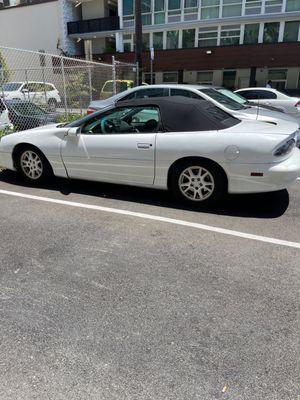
181 114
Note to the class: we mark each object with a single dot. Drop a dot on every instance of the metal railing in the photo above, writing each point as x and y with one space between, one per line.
94 25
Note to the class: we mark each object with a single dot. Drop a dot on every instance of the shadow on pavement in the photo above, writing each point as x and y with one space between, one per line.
265 205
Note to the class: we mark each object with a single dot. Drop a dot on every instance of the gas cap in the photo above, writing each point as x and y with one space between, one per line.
232 153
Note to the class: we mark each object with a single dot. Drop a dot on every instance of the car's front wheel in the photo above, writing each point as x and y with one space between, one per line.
198 182
33 165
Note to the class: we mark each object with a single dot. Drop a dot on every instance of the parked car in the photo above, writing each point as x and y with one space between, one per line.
221 97
26 115
4 119
189 146
121 86
272 97
38 92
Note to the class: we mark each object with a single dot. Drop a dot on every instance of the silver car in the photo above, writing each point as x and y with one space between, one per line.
272 97
225 99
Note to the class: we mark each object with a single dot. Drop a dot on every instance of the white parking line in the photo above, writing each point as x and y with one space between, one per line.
156 218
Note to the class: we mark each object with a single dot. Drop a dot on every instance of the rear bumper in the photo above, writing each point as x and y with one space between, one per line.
275 176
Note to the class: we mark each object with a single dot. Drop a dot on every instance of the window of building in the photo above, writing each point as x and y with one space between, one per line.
172 39
208 37
271 32
210 9
251 33
292 5
127 43
232 8
146 6
230 35
146 41
159 12
188 38
146 19
158 40
273 6
205 77
170 77
278 77
291 31
190 10
127 7
253 7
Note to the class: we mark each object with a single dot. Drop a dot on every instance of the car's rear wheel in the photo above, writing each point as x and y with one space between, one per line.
33 165
198 182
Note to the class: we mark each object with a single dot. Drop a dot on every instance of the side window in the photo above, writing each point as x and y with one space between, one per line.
128 97
124 120
249 94
49 88
108 87
185 93
265 94
153 92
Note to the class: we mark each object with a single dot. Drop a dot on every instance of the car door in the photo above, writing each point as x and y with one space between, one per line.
116 146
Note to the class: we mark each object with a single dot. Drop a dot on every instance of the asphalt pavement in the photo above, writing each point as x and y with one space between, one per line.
103 295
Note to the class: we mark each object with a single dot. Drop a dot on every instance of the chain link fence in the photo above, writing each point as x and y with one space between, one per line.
38 88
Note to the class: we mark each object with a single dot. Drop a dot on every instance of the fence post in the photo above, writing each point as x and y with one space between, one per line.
90 84
137 73
64 85
114 75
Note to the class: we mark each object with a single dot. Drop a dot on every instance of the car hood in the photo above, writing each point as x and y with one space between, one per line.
262 114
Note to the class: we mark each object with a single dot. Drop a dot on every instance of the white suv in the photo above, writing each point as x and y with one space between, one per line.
37 92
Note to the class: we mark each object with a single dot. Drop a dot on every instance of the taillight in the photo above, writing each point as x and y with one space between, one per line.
297 104
90 110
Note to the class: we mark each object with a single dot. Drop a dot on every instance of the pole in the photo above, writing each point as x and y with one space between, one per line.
114 75
64 85
138 39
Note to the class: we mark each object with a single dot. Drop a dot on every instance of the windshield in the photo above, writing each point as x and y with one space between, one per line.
222 99
232 95
12 86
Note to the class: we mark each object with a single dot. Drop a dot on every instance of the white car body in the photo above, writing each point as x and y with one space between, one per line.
145 159
37 92
4 118
272 97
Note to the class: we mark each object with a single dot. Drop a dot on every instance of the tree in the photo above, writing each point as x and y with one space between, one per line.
4 70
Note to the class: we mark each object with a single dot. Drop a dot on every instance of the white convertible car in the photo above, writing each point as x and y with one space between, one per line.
189 146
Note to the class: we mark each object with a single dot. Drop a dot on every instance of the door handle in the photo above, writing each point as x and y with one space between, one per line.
144 146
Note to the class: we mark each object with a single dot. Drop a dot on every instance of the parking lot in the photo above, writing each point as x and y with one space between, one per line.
111 292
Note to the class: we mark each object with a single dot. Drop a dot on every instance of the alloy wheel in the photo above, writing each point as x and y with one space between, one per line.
31 164
196 183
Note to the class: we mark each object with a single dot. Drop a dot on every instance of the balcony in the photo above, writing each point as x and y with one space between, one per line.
94 25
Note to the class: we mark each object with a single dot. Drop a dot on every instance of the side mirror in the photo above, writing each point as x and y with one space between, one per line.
75 131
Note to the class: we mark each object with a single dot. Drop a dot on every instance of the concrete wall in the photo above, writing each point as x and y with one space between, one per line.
94 9
32 28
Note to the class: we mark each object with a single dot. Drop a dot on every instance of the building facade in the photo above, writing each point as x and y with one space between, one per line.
235 43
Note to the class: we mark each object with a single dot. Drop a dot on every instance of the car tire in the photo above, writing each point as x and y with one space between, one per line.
52 104
198 182
32 165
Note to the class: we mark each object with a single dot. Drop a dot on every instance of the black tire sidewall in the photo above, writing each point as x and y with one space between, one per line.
219 180
47 171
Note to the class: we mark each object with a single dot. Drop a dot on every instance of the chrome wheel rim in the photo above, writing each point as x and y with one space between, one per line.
31 164
196 183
